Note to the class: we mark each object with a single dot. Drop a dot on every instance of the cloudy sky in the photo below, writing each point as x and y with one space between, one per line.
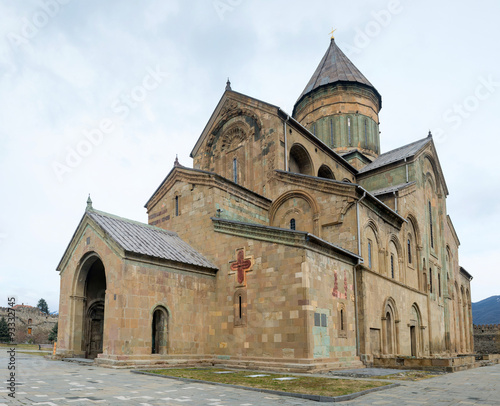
99 96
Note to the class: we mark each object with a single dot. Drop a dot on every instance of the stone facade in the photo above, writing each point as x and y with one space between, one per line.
32 326
487 338
305 258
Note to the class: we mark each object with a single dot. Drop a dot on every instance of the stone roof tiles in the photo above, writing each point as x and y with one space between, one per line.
143 239
396 155
335 67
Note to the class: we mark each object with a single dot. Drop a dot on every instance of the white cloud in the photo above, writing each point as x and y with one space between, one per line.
66 79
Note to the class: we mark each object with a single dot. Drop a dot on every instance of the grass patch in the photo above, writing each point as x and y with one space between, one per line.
21 346
410 376
39 353
301 384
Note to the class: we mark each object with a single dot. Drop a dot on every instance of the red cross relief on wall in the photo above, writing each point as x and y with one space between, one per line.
241 266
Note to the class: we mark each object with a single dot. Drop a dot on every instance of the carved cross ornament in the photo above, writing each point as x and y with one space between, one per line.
241 266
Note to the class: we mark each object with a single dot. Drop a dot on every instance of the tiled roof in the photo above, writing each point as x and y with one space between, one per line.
391 189
396 155
140 238
335 67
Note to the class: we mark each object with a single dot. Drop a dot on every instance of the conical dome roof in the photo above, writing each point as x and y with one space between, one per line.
335 67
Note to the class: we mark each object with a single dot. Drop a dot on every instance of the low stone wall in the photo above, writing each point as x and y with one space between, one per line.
487 338
445 364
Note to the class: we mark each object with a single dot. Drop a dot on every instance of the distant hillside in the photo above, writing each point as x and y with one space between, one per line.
486 311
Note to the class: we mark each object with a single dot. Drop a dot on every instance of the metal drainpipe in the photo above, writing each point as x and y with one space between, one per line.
286 144
406 171
395 202
355 268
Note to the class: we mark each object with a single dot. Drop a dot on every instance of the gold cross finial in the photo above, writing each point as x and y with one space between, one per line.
333 30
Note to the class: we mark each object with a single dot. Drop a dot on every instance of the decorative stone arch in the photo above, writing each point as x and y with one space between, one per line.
342 320
427 158
366 243
87 306
278 219
300 161
416 331
160 328
235 133
324 171
398 261
390 327
413 223
346 180
230 152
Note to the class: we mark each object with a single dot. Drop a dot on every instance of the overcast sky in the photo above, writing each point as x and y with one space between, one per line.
141 79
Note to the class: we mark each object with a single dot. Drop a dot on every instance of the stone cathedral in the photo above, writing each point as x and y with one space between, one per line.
294 243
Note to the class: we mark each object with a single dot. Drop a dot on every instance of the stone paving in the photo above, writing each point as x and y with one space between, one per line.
54 383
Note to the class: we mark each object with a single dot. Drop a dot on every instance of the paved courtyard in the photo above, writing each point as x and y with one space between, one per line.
42 382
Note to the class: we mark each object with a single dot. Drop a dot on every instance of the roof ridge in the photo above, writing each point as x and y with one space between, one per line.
404 146
135 222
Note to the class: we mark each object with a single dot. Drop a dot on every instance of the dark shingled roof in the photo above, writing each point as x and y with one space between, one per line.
335 67
140 238
396 155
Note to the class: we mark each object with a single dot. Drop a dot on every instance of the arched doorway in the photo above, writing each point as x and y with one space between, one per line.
95 329
389 333
415 331
93 320
159 331
390 330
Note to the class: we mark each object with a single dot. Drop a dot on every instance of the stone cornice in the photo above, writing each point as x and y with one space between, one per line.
363 268
199 177
283 236
317 184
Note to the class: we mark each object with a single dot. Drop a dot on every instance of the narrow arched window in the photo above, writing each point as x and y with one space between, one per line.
439 284
176 205
240 307
366 133
430 224
235 170
392 266
409 251
349 130
342 325
30 321
292 224
332 141
369 254
430 280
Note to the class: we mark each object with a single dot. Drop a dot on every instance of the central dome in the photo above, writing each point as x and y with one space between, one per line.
340 106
